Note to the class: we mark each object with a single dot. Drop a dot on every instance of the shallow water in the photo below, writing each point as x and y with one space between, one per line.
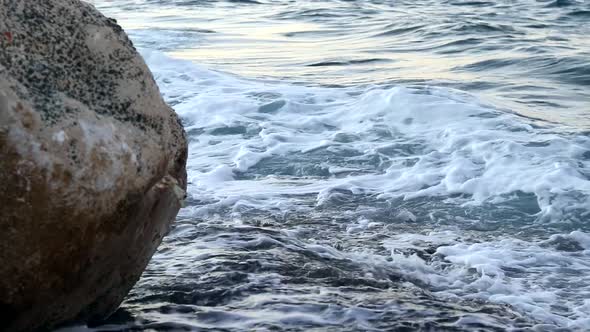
372 165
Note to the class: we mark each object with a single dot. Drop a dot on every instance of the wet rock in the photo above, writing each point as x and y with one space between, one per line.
92 164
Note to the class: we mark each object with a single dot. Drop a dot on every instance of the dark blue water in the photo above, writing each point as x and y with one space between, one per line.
371 165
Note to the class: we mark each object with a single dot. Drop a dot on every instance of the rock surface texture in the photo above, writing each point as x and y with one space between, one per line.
92 164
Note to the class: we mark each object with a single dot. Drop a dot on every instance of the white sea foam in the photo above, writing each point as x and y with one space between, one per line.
539 278
396 143
443 143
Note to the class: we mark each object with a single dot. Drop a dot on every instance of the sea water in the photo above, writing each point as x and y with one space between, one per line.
371 165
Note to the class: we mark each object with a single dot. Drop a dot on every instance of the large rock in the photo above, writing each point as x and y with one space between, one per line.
92 164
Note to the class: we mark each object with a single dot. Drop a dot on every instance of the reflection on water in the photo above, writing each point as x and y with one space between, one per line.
531 56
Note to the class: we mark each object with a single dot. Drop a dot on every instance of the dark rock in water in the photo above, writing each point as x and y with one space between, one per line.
92 164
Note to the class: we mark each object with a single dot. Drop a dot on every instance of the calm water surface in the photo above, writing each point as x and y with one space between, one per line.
371 165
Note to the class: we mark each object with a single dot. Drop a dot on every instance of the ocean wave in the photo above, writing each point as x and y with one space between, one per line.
459 146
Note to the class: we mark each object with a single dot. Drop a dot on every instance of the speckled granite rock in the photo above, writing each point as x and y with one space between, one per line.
92 164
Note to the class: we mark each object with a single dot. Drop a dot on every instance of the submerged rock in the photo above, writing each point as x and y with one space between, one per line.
92 164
